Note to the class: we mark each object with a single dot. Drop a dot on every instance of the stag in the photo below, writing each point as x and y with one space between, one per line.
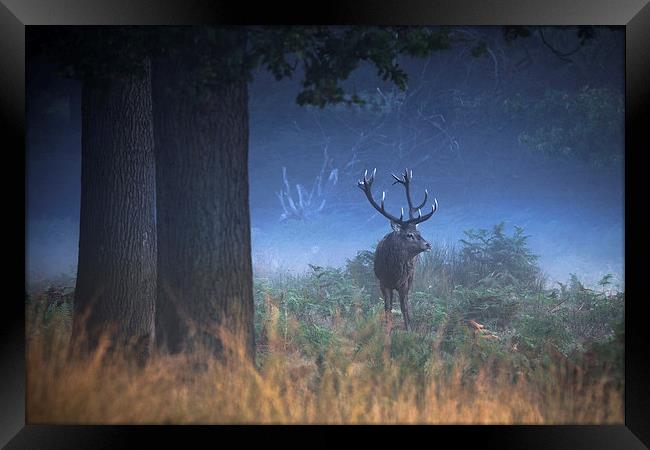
397 252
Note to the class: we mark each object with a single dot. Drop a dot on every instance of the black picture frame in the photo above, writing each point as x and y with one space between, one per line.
15 15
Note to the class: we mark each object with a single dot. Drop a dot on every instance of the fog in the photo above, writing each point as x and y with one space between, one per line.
452 126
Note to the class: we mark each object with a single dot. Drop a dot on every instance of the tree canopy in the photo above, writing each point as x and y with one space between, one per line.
324 56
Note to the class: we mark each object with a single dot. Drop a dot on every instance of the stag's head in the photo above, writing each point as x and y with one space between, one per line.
404 230
410 239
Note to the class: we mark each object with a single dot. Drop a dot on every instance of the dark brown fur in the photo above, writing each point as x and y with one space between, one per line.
394 265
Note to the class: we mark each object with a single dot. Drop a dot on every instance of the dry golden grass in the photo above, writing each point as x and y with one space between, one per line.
344 387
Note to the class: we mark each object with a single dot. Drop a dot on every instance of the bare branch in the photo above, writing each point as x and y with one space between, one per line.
308 203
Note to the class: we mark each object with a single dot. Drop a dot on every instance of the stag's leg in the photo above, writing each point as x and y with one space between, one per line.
388 303
404 306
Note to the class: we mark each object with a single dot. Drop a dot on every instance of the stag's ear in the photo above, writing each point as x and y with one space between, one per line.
395 226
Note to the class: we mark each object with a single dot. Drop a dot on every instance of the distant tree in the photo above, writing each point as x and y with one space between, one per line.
586 125
583 122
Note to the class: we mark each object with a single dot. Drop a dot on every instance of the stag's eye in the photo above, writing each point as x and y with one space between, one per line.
410 236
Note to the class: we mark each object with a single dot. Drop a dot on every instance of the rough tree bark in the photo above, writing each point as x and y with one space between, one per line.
204 249
116 278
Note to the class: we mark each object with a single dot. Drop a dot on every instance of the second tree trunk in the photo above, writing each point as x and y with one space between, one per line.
204 259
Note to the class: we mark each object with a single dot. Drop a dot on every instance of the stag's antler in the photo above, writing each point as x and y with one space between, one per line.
407 176
366 183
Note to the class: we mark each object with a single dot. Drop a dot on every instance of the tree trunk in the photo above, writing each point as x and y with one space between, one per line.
204 250
116 278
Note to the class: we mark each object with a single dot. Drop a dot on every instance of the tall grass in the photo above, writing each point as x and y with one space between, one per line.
361 376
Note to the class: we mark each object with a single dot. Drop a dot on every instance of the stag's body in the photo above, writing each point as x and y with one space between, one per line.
394 268
393 264
397 252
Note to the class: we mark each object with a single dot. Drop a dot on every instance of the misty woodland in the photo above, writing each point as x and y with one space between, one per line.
325 225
